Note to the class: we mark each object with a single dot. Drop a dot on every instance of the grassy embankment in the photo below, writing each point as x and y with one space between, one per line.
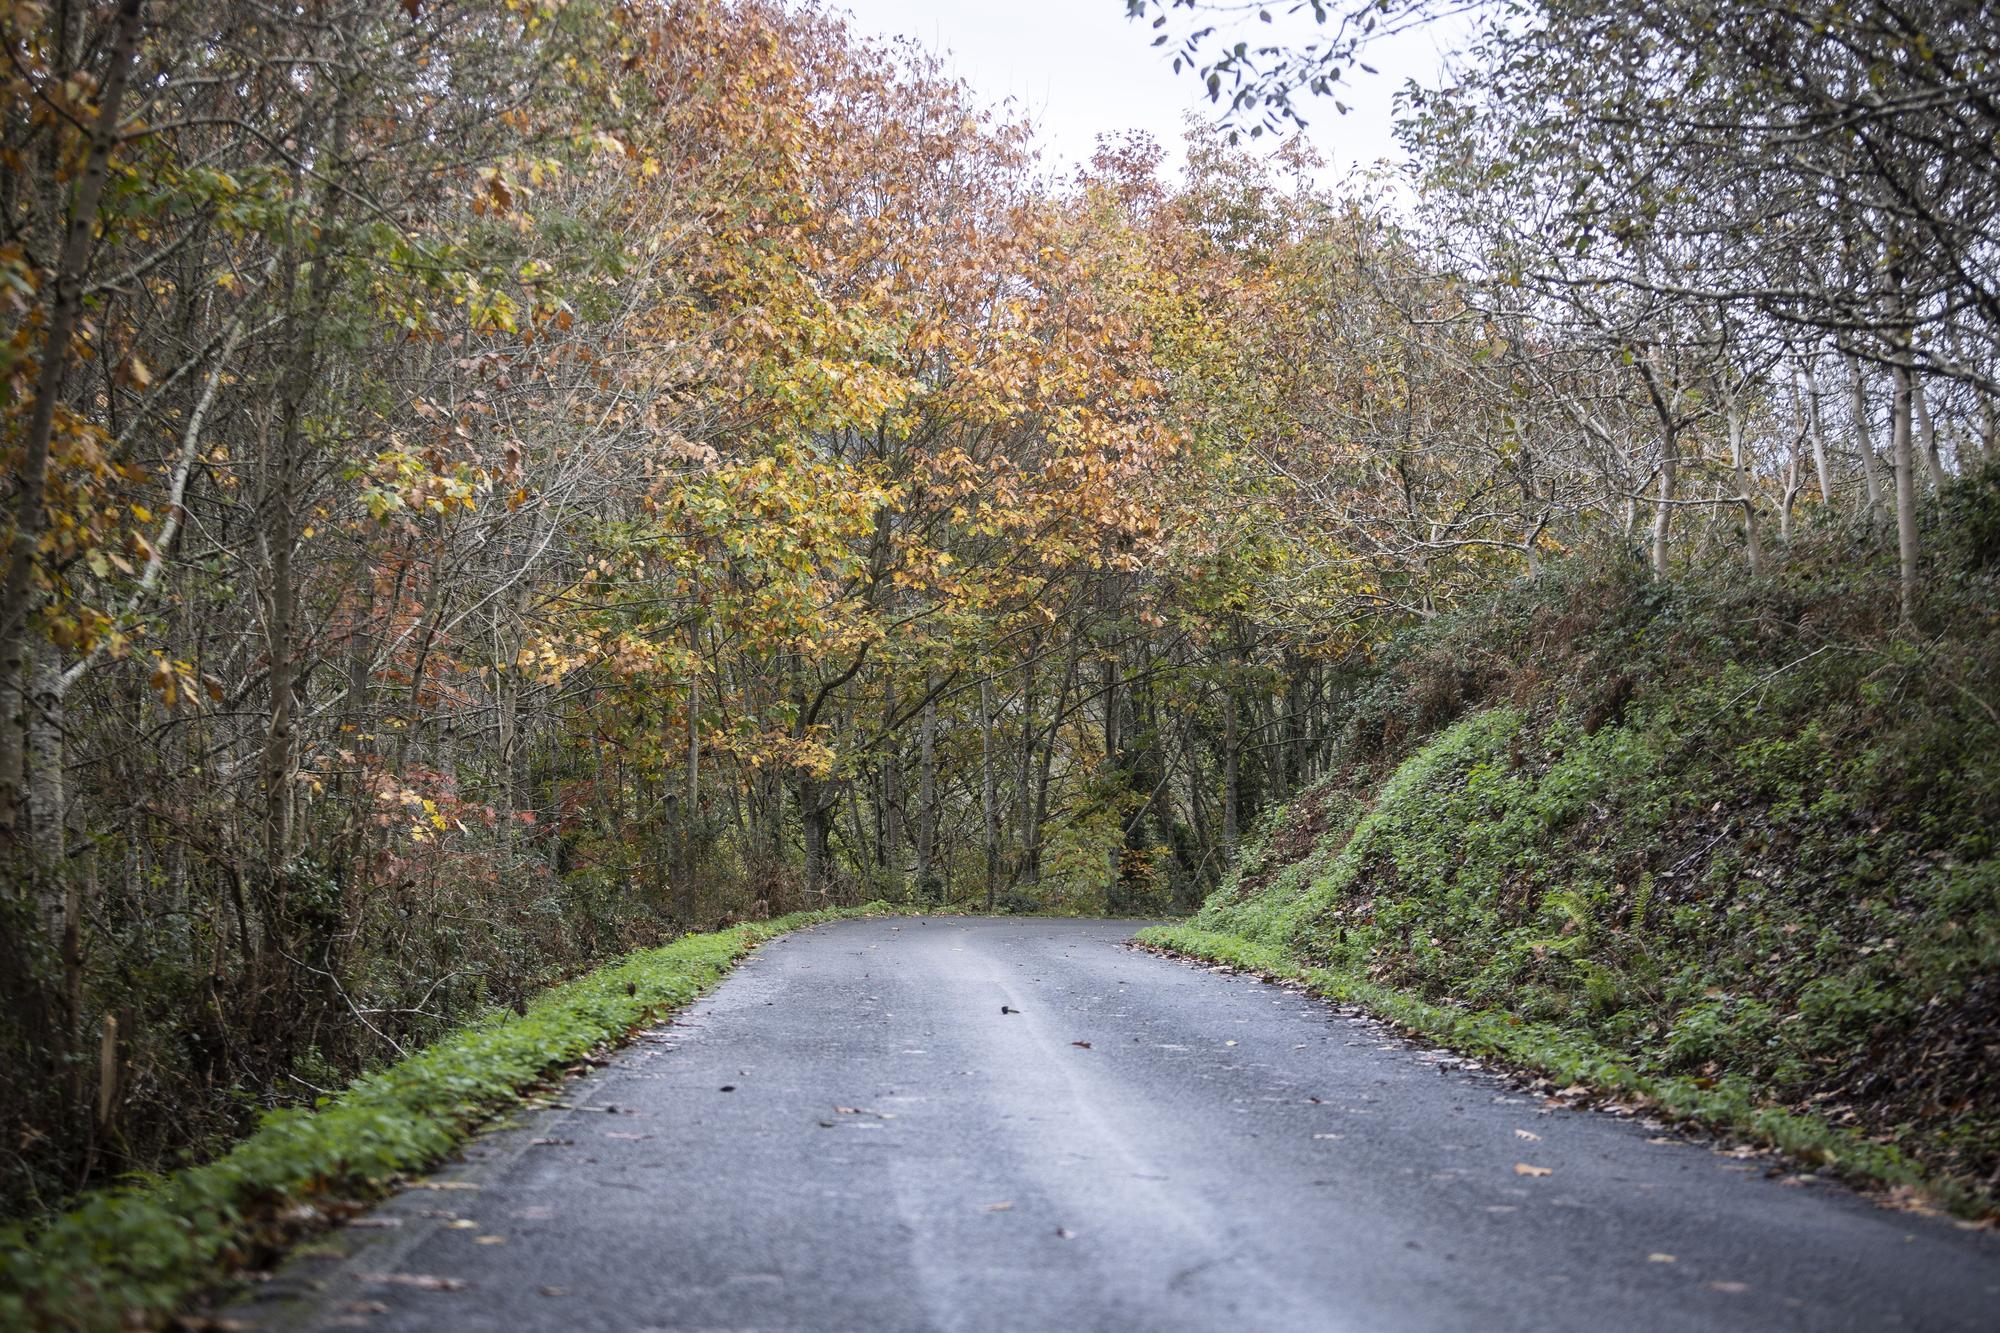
134 1256
1725 847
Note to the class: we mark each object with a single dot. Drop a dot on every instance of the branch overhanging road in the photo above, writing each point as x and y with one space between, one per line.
851 1134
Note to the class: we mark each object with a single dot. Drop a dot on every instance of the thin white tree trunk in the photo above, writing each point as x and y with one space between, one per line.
1927 435
1871 474
1663 510
1901 449
1753 541
1816 428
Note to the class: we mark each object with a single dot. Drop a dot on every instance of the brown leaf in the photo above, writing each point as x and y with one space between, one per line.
1523 1169
1529 1135
1084 1044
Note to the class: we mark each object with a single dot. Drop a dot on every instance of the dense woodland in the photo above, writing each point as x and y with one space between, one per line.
494 482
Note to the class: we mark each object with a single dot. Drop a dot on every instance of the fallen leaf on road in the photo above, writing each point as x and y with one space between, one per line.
1523 1169
1573 1090
727 1087
1228 1043
550 1143
1529 1135
421 1281
1006 1205
1662 1138
1084 1044
555 1291
1064 1233
1733 1288
462 1224
1657 1258
1009 1009
1326 1136
489 1240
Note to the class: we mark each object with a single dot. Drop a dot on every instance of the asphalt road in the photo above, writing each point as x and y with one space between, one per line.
851 1134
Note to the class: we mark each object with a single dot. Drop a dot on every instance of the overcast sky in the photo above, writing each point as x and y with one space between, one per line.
1079 68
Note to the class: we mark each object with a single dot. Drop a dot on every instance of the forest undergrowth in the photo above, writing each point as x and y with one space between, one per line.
1724 844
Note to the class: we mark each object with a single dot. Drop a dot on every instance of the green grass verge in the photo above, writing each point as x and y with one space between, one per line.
1728 1104
135 1255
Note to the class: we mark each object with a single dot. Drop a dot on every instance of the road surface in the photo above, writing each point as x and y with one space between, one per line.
971 1124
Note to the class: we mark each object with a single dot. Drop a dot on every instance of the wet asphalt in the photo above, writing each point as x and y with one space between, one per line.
851 1134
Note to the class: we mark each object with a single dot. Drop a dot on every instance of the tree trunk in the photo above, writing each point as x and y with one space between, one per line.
1753 541
278 611
1231 775
989 800
1906 493
45 769
1038 812
691 821
1663 510
889 836
281 503
1927 435
1871 475
1816 427
17 592
815 824
927 811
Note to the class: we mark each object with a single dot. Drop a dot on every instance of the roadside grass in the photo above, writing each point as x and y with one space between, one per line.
1730 1104
133 1255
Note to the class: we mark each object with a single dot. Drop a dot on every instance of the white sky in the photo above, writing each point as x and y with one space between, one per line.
1079 68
